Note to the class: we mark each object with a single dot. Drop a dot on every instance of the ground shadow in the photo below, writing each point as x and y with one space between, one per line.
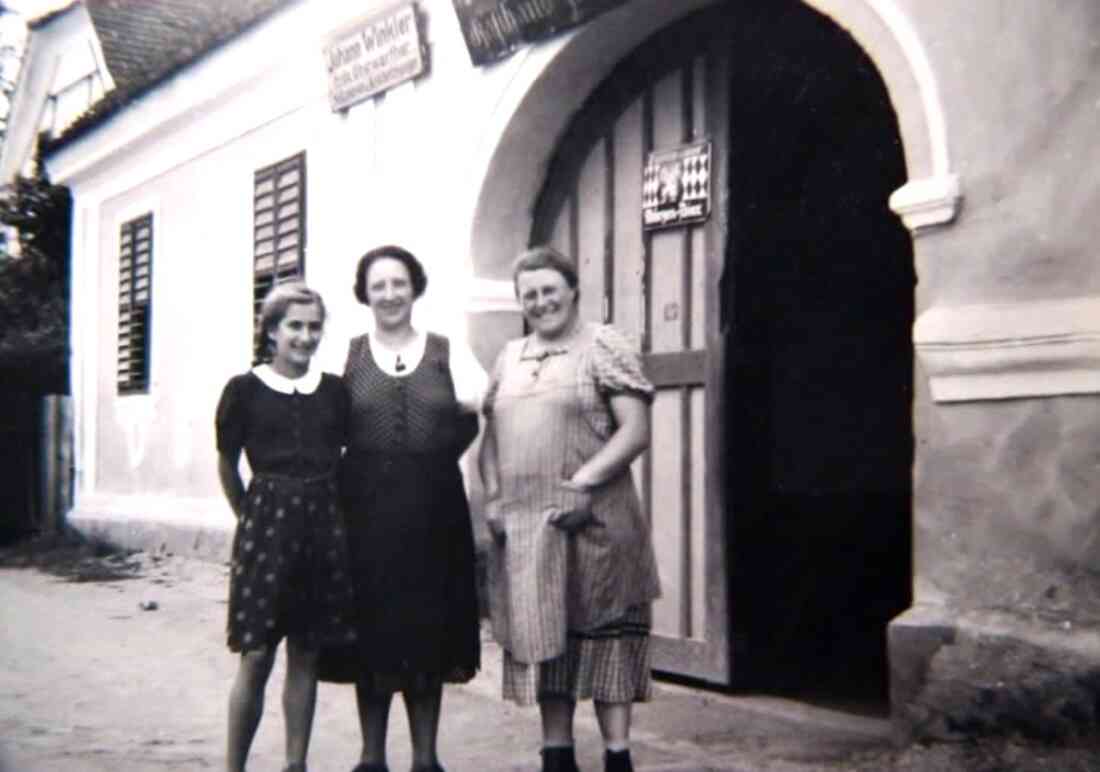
70 557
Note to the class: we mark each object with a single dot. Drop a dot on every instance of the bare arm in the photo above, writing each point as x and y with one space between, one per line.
229 474
487 465
488 469
627 443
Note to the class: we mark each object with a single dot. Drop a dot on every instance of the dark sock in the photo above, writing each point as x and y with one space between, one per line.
617 761
559 760
362 767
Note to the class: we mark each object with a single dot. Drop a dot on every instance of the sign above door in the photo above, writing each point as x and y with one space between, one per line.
495 28
373 55
676 186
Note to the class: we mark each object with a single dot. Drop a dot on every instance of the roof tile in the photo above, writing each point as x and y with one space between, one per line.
145 42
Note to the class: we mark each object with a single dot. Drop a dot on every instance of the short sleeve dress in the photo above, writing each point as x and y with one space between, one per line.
289 572
410 533
570 610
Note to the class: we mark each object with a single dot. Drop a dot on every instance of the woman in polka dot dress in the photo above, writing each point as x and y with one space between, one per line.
289 575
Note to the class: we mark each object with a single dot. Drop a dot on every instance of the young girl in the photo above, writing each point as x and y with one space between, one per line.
289 576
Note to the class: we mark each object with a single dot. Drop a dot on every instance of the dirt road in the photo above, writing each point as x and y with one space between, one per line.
117 663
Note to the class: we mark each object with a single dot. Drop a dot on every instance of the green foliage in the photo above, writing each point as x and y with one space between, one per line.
34 292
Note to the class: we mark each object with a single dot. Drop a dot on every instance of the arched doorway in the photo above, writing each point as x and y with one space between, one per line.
778 332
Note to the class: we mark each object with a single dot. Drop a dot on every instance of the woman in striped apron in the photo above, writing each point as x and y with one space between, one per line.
572 568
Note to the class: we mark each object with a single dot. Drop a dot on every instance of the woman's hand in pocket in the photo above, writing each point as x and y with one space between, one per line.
575 511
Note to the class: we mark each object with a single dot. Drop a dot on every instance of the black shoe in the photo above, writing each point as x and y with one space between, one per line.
364 767
559 760
617 761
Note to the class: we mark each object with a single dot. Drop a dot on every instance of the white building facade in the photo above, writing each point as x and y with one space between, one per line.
181 197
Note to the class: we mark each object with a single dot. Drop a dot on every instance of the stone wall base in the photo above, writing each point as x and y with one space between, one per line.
962 675
204 542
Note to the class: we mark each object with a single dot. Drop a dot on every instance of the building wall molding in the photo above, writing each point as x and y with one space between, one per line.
1010 350
83 363
903 33
193 527
928 202
932 195
491 295
264 75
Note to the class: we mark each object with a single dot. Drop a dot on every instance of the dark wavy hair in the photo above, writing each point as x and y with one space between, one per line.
417 276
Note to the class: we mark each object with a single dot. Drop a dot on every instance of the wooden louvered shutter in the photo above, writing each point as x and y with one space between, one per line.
135 289
279 227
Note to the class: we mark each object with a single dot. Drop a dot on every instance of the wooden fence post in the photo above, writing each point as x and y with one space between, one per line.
56 462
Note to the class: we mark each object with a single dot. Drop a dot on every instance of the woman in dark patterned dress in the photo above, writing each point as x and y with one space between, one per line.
572 567
289 576
414 401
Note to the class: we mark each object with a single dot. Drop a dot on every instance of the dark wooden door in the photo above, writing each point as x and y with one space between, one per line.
778 483
661 288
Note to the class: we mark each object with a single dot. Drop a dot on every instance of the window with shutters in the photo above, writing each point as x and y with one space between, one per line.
279 227
135 276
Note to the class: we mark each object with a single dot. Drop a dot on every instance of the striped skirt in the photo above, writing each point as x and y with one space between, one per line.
608 664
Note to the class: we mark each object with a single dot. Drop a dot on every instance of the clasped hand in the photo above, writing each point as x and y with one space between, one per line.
572 513
575 511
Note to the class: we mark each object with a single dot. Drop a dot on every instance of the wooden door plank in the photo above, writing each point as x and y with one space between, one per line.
667 513
698 507
718 620
677 368
667 290
628 250
591 227
561 235
687 430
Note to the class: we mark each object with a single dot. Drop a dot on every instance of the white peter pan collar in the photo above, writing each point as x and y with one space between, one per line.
306 384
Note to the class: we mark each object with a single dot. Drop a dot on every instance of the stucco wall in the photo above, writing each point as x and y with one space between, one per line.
1003 633
1007 508
1019 86
392 169
201 317
1006 490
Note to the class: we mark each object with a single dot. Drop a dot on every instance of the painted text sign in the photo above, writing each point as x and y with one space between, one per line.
676 186
372 56
495 28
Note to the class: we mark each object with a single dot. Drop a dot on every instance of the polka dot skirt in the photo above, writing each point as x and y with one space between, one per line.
289 573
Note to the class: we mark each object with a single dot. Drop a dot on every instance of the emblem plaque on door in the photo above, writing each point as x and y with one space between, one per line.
676 186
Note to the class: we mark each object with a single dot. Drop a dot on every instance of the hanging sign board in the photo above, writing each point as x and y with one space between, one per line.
373 55
495 28
676 186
